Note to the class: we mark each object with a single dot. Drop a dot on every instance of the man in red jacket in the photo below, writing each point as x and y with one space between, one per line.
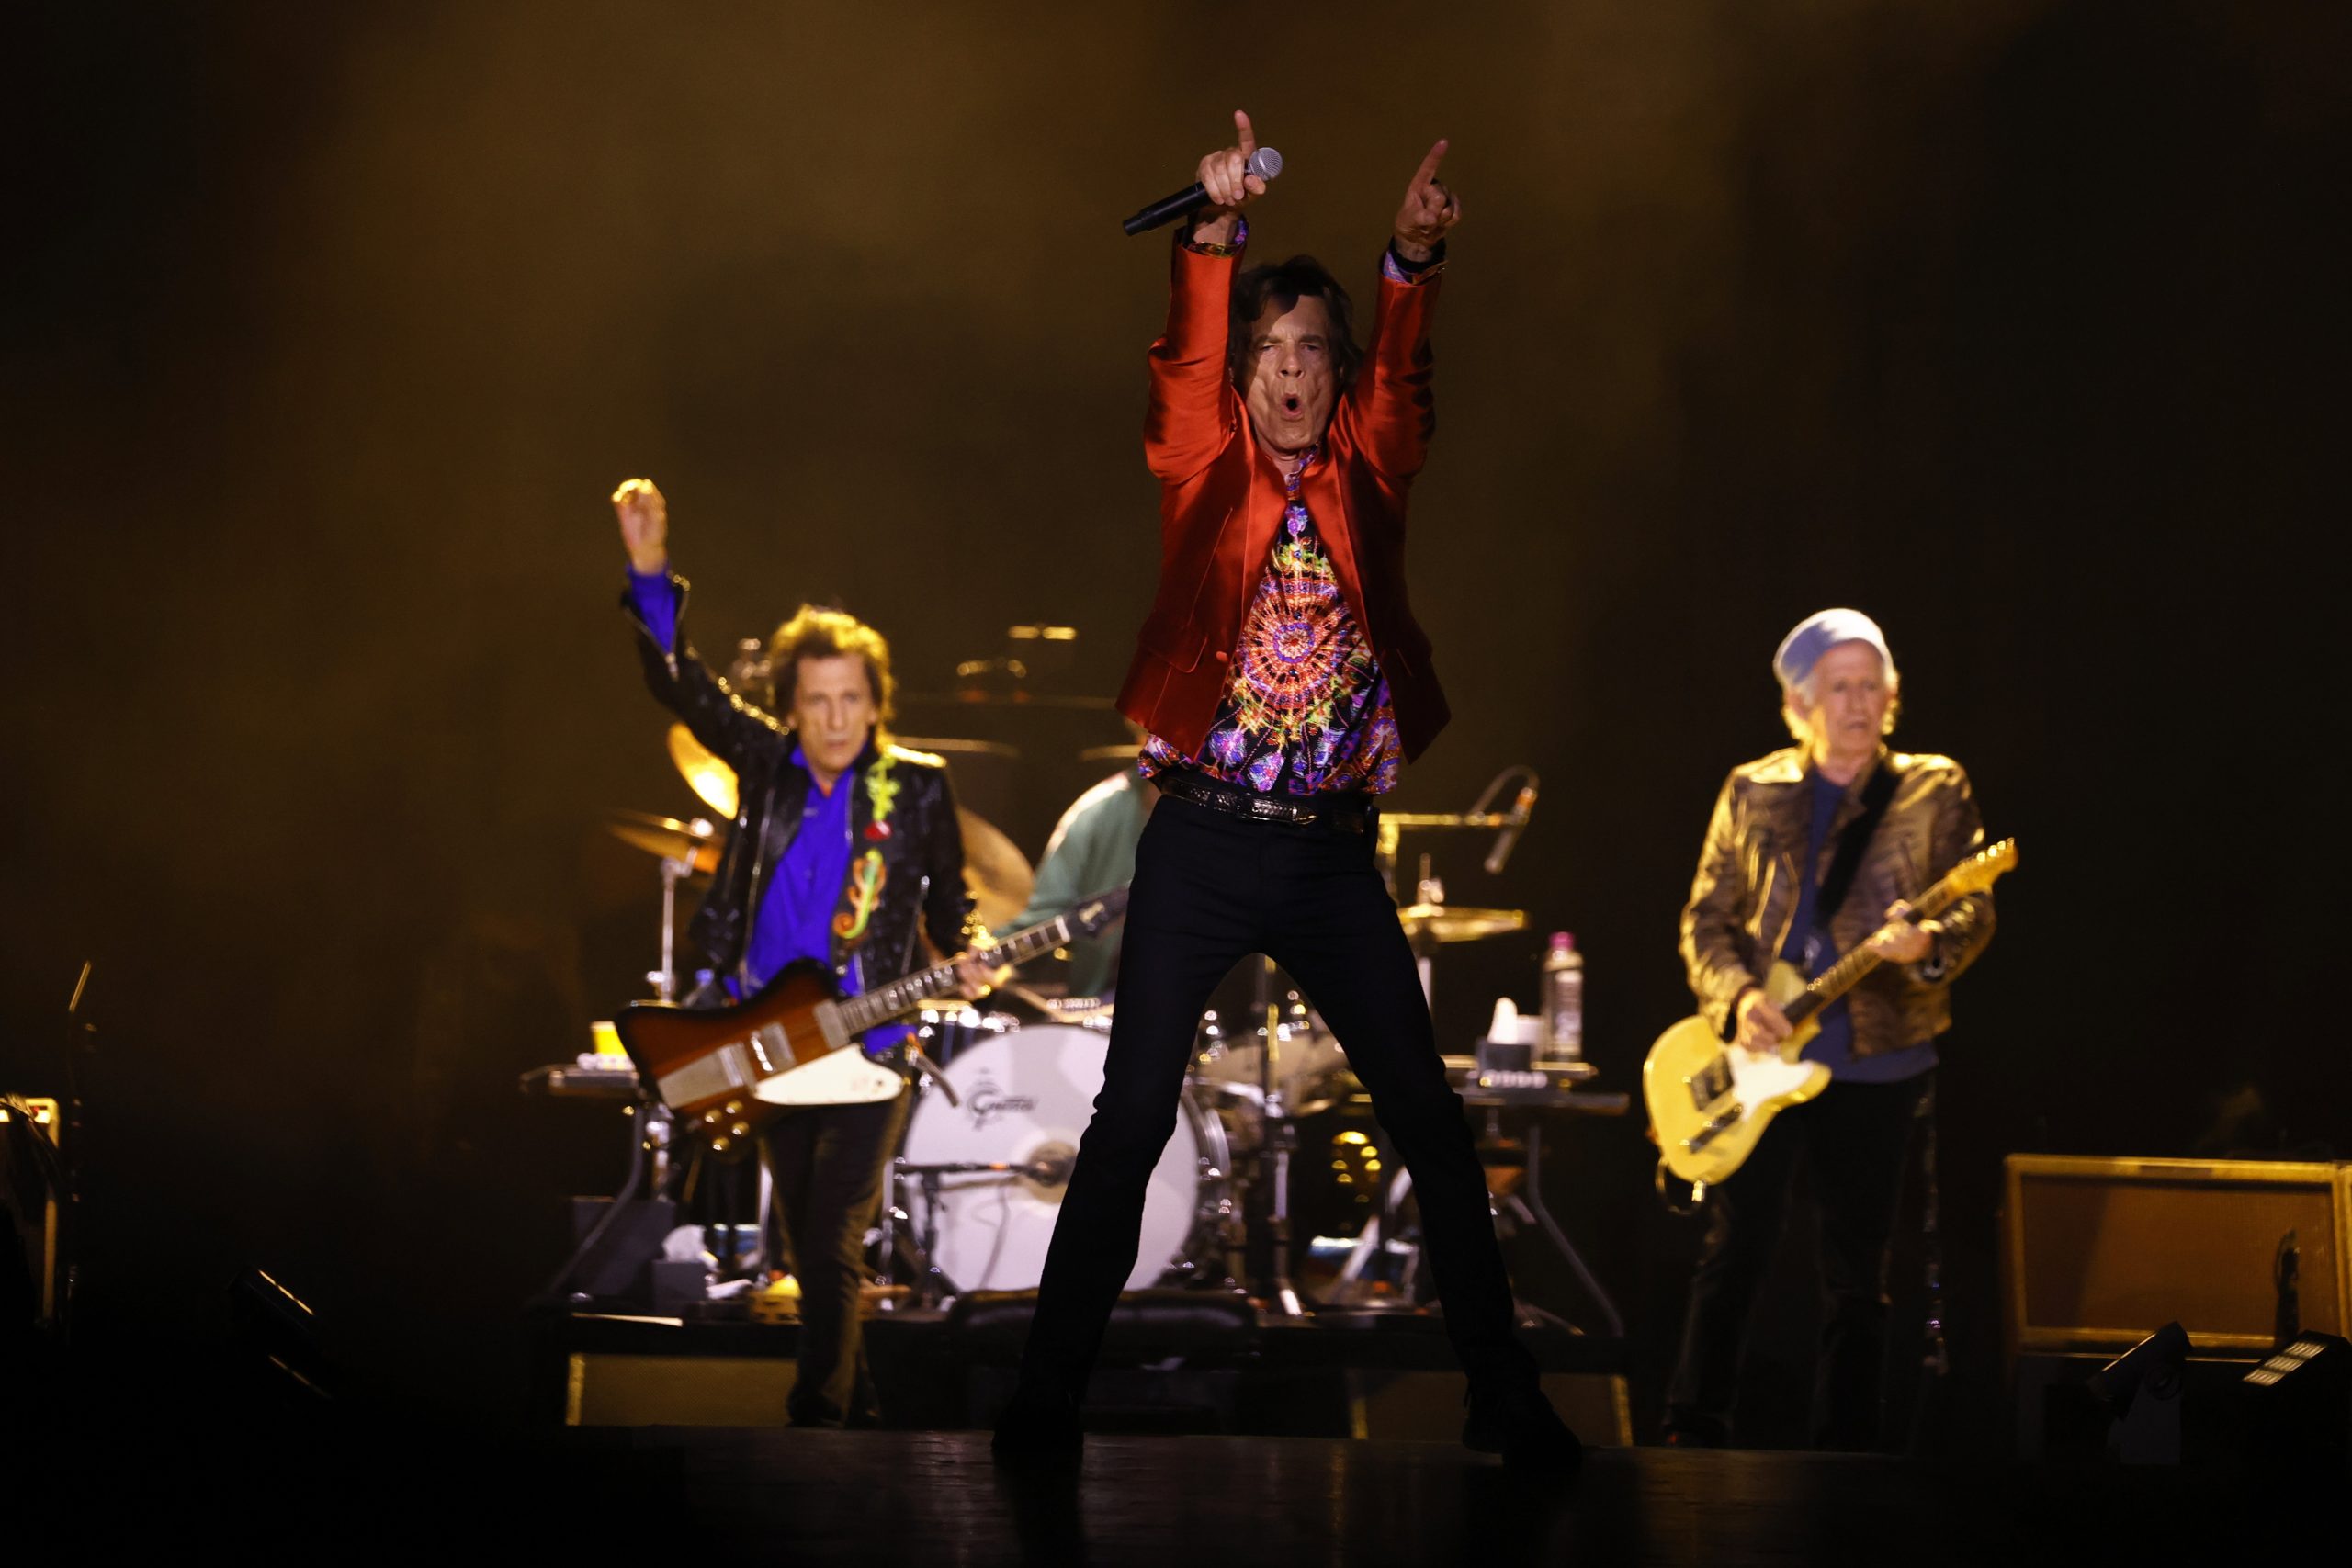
1283 682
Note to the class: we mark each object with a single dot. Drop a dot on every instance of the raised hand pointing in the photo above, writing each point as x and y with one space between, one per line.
1430 210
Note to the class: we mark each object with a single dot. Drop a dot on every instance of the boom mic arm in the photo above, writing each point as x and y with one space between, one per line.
1521 810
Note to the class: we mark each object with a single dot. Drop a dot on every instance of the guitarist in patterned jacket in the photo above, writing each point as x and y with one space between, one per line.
844 846
1769 887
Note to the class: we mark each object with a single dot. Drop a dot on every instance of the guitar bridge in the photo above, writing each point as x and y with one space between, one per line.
760 1041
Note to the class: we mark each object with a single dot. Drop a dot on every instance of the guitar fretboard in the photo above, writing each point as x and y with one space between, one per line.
1847 972
909 992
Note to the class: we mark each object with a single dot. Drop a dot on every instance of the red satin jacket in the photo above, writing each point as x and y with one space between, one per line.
1220 504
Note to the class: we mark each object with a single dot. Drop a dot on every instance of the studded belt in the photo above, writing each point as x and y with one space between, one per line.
1343 813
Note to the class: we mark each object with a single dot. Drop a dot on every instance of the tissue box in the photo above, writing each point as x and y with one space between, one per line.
1505 1055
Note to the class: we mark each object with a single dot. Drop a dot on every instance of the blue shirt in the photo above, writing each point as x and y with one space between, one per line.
1813 953
794 919
796 909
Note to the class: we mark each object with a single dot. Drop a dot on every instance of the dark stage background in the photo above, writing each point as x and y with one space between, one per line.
328 329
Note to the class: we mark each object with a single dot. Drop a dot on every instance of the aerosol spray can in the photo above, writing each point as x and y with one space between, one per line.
1564 998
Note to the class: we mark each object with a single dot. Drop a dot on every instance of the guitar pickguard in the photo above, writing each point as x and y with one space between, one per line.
1763 1077
839 1077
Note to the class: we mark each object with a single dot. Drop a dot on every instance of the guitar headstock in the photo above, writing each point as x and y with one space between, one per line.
1983 869
1098 911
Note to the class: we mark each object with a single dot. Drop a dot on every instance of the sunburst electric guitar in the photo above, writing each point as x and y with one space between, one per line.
795 1040
1709 1103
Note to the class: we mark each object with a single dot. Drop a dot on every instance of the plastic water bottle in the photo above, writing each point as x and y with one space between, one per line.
1564 998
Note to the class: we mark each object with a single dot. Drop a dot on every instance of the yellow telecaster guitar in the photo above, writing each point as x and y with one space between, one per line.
1709 1103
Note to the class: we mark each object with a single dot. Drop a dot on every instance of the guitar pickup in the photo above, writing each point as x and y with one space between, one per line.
1709 1084
1716 1125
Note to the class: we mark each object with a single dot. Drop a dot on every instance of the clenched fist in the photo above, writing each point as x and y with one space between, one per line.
645 526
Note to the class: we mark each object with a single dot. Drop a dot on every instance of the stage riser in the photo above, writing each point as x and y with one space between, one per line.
605 1389
1427 1406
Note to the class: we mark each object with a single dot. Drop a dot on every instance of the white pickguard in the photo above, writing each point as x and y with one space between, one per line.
838 1078
1760 1078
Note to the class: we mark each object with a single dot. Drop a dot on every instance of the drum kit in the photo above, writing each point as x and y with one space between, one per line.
996 1115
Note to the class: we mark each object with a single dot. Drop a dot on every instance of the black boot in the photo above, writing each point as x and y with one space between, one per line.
1038 1423
1516 1421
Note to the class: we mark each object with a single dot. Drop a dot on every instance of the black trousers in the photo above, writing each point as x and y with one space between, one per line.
1209 891
828 1162
1852 1140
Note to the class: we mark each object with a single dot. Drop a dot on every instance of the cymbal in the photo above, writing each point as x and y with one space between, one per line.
709 777
996 872
666 837
1459 922
948 745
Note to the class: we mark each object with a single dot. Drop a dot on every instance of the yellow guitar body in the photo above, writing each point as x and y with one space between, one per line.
1709 1103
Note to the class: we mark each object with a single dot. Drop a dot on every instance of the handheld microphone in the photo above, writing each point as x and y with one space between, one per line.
1265 163
1509 838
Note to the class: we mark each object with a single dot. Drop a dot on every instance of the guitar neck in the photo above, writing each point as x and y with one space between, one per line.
909 992
1847 972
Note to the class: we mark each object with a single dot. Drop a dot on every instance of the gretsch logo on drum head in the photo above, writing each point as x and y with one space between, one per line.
984 1102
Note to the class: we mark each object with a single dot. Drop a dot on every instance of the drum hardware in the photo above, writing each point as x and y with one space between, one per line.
1355 1286
956 746
712 781
1277 1140
1312 1070
1087 1012
687 850
1050 1172
1429 922
666 837
949 1031
1441 922
979 1182
932 1072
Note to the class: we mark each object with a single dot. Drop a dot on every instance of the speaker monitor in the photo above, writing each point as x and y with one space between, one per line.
2097 1254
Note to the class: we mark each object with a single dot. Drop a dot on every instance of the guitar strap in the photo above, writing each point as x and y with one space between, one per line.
1851 845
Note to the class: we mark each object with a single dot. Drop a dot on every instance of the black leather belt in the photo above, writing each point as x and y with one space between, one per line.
1348 813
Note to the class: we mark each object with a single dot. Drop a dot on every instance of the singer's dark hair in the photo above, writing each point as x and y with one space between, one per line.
1288 282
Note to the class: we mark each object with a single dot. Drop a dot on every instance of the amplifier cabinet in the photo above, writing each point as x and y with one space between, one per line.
28 1199
2097 1254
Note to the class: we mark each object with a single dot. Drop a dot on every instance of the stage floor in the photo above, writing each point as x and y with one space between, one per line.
364 1490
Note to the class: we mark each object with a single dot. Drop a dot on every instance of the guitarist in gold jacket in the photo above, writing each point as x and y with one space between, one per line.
1775 834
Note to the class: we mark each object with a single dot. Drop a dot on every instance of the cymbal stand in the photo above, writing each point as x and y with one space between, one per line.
656 1127
1277 1140
674 870
932 1287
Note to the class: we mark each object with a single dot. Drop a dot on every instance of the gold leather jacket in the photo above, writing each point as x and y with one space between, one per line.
1744 893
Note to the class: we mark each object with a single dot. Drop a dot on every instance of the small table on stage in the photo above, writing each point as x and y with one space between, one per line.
1546 1089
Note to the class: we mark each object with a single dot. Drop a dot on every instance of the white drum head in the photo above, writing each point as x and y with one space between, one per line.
1027 1095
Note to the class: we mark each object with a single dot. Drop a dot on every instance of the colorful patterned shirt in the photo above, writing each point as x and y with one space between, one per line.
1307 710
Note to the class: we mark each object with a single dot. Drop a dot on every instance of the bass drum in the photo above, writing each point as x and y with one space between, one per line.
1026 1096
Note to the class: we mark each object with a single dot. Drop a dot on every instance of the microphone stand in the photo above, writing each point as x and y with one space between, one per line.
1480 817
